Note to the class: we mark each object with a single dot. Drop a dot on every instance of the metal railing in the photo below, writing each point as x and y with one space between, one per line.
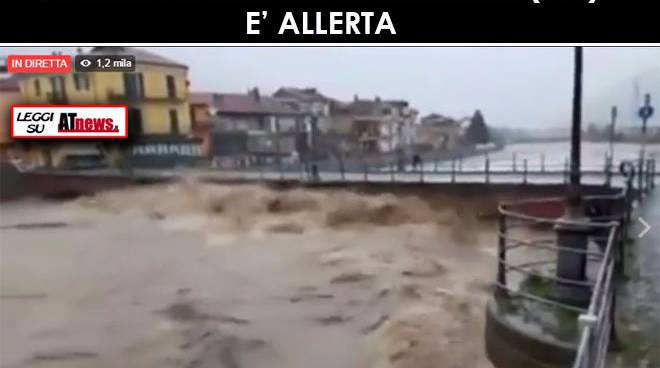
595 322
455 171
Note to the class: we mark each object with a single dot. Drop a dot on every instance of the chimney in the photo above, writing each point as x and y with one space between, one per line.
255 94
377 99
355 97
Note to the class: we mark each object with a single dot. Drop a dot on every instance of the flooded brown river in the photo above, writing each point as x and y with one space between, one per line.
192 275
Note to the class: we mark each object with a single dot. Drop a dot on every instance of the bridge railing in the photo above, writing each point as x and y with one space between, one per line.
452 171
537 218
597 322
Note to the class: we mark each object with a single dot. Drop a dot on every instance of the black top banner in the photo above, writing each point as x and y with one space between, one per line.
405 21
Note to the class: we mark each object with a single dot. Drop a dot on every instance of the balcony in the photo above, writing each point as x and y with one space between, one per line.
123 97
56 98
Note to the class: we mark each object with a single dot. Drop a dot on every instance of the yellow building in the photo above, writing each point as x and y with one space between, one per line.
9 95
156 93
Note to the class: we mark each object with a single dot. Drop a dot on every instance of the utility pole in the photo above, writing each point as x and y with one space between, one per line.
577 119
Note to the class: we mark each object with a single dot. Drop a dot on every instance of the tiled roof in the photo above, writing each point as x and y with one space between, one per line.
9 84
201 98
437 119
308 94
141 55
239 103
363 107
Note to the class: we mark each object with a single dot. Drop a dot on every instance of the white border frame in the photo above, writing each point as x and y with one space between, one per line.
308 44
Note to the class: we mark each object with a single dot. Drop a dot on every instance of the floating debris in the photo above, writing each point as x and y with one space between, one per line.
333 319
35 225
64 355
350 277
186 312
375 325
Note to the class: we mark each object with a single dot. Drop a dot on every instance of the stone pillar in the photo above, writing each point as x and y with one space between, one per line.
573 240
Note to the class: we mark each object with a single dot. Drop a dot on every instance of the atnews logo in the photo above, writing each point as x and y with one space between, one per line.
69 121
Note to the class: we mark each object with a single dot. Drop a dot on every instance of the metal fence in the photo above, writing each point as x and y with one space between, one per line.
612 174
609 215
597 322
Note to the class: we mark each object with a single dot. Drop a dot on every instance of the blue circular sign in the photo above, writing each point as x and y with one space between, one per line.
645 112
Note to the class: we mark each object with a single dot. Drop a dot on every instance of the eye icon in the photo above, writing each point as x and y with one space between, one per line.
85 63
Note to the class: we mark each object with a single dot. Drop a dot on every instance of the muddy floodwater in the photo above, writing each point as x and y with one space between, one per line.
193 275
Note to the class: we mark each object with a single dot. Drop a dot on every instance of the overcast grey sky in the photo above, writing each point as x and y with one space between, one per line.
513 86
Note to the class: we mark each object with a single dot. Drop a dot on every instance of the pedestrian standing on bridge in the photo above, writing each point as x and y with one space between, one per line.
416 161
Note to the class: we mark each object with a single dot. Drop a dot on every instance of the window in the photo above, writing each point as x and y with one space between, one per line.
134 121
174 122
134 85
37 87
81 81
57 85
171 87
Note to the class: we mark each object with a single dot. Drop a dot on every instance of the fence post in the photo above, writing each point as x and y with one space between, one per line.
392 172
652 173
629 196
279 167
366 172
421 171
460 164
453 170
342 170
640 175
316 176
614 336
648 175
501 254
513 164
525 171
542 162
608 170
435 165
487 169
566 170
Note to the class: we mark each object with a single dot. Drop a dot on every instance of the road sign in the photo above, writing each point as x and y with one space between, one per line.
646 111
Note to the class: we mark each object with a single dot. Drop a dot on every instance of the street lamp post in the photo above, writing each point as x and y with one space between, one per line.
577 119
645 112
612 130
573 239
